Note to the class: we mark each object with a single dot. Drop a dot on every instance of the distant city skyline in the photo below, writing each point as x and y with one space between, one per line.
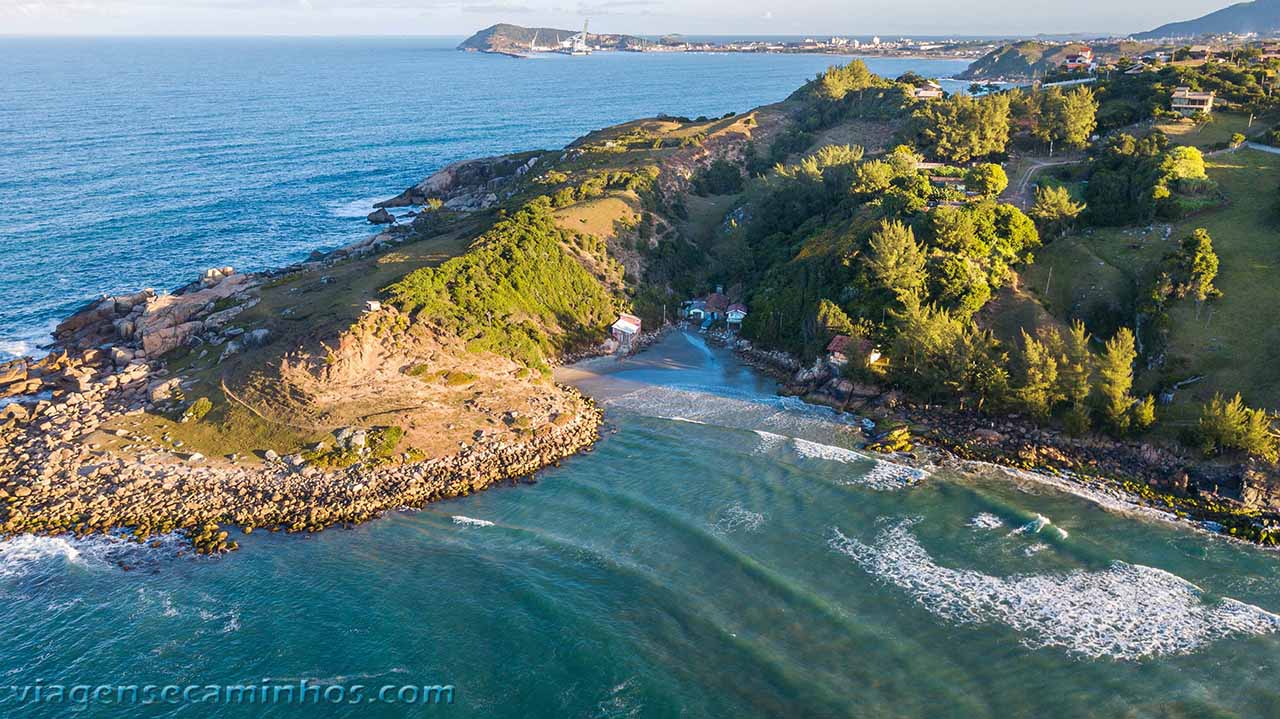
649 17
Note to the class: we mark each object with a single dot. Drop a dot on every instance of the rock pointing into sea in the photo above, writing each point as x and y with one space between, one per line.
380 216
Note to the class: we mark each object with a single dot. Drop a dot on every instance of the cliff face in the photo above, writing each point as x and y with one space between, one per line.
1260 16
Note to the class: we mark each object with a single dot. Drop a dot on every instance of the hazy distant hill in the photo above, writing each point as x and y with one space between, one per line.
1032 58
1260 16
504 37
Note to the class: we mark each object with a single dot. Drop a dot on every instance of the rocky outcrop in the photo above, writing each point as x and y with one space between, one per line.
55 477
468 185
145 325
380 216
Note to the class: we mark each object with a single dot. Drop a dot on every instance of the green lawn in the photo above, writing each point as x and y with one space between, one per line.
1231 341
1217 132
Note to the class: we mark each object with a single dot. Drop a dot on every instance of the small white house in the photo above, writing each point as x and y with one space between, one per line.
931 90
625 331
735 314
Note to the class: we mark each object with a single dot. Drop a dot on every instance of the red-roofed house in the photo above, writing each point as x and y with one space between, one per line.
717 305
625 331
735 314
1082 60
842 349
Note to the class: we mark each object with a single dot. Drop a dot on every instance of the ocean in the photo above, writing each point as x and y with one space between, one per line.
721 553
131 163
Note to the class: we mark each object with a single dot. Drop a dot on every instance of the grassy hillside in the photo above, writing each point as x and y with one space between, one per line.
1030 58
1098 274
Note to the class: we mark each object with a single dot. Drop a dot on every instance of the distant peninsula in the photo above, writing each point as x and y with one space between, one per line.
507 39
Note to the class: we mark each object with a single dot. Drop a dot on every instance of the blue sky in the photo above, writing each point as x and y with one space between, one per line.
458 17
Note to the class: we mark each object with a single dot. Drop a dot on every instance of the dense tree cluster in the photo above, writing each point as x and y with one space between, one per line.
1063 119
1230 425
961 128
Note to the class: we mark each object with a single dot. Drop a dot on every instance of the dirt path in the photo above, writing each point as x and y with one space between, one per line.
1019 193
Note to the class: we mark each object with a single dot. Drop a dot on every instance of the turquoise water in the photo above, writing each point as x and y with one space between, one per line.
127 163
719 554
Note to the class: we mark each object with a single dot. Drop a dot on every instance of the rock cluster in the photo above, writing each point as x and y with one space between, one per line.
58 479
145 325
468 185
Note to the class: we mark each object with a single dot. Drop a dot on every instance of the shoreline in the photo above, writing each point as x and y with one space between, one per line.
1046 456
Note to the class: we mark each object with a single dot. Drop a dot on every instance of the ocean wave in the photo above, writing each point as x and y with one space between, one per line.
471 522
26 341
1037 525
1126 612
768 441
355 208
828 452
738 517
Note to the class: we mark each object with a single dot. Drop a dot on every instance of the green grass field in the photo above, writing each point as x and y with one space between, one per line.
1230 341
1217 132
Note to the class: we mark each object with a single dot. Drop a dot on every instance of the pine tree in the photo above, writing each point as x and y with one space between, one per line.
1054 209
1115 379
1076 368
1039 377
1202 264
895 262
1144 412
1232 425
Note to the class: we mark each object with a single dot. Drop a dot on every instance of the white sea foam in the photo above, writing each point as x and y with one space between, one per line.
772 419
768 441
1127 611
356 208
882 475
738 517
27 553
1033 549
828 452
24 553
889 476
986 520
470 522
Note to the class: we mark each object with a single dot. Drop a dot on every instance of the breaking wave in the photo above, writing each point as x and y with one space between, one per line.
886 476
1037 525
1125 612
27 553
775 420
470 522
